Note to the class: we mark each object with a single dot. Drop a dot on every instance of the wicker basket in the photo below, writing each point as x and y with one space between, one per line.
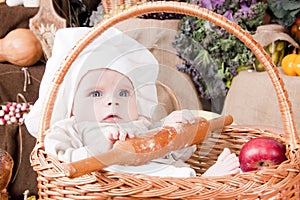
277 182
113 6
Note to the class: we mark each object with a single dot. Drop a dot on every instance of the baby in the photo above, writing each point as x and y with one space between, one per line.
109 94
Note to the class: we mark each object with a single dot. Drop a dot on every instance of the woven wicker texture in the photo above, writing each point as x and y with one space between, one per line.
277 182
111 7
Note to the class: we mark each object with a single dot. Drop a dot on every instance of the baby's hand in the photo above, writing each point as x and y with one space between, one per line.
180 116
227 163
114 133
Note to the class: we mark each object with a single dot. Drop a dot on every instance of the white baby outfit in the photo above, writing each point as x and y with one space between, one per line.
72 141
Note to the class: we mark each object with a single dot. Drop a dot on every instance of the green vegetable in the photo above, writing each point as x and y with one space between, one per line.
226 52
280 46
284 12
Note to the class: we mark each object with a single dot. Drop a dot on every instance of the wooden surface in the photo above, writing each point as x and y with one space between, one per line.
44 25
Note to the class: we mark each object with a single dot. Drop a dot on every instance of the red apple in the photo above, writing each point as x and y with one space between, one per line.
261 152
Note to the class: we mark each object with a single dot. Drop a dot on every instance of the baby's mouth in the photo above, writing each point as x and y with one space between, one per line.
111 118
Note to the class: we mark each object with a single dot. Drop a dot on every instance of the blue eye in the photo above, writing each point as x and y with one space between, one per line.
96 94
124 93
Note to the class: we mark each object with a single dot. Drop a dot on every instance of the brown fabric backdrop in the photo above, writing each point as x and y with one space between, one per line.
18 142
14 17
14 139
13 79
18 16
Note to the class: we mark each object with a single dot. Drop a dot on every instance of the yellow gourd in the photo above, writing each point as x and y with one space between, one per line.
291 64
20 47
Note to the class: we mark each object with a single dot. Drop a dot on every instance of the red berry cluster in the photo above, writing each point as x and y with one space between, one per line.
13 113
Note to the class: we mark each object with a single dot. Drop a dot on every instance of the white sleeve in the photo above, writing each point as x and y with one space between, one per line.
64 141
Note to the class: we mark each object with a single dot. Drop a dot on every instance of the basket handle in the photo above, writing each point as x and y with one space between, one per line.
180 8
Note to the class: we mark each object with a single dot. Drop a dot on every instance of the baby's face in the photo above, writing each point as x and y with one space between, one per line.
105 95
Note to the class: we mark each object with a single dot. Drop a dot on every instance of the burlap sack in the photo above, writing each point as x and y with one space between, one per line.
251 99
266 34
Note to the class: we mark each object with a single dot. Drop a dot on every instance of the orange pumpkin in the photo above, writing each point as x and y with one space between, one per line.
291 64
20 47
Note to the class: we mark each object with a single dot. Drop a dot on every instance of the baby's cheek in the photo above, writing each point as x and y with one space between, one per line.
98 111
132 109
83 113
133 113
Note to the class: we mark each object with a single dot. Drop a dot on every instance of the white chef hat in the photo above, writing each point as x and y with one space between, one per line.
113 50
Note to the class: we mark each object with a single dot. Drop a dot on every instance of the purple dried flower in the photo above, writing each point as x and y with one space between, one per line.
244 12
212 4
207 4
228 15
252 2
219 3
248 2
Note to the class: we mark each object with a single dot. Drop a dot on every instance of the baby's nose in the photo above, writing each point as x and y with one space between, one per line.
110 103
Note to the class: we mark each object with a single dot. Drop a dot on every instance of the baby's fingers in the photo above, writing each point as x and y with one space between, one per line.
131 134
123 134
180 116
187 117
115 134
109 133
